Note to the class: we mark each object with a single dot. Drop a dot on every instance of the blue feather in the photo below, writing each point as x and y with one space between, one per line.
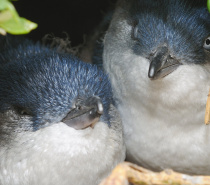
45 83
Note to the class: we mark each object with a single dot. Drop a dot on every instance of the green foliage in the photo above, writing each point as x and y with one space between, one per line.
208 5
11 22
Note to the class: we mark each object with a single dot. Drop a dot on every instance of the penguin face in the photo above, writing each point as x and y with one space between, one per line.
57 121
45 89
159 46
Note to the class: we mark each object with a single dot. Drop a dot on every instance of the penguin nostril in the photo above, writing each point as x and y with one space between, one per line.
78 107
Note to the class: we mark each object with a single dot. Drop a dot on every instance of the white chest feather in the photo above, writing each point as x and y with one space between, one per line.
61 155
164 119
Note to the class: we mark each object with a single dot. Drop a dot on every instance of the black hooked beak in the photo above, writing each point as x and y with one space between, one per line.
86 113
162 64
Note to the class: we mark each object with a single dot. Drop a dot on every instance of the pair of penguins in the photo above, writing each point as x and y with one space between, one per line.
63 121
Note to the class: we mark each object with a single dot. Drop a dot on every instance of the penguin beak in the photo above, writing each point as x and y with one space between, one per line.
85 114
162 64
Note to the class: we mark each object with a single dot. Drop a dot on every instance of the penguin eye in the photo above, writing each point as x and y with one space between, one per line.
22 111
207 43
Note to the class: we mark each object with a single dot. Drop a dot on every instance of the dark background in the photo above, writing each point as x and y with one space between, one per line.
78 18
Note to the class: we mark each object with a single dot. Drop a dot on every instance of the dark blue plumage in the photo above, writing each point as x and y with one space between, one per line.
182 25
34 78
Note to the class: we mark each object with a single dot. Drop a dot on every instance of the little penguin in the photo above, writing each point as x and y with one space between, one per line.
157 55
58 123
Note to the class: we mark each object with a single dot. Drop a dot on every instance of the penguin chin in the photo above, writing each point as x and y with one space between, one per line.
89 126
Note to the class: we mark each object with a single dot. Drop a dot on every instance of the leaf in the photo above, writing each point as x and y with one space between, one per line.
11 22
208 5
3 4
